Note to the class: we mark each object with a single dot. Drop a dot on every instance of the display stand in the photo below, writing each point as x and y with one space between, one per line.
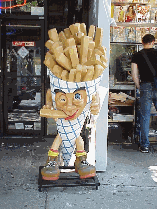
67 179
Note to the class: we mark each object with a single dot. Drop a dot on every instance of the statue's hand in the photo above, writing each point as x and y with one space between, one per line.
95 104
51 113
48 106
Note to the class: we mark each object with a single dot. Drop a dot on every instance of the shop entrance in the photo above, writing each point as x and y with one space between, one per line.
22 71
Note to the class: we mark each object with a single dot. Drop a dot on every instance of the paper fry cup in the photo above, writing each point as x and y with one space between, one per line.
69 130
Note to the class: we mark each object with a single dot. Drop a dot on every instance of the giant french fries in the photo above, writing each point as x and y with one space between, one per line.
75 57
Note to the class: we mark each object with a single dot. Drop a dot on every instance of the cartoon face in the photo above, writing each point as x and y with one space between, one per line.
72 104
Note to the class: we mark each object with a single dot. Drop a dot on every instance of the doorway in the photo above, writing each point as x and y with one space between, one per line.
23 75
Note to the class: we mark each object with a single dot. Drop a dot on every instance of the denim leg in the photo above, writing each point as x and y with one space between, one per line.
145 108
155 93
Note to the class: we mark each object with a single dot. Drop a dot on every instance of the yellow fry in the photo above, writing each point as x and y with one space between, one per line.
48 55
83 28
72 75
97 51
98 37
76 27
72 29
78 73
98 71
55 45
62 39
58 50
64 61
49 44
67 33
70 42
84 49
53 35
103 58
78 76
102 49
78 37
50 62
84 72
89 74
57 71
74 57
90 51
91 31
65 75
66 52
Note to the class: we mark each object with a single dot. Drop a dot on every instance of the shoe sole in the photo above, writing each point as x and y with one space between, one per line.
144 151
88 176
50 178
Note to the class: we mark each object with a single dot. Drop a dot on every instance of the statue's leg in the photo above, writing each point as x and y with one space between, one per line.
51 170
82 167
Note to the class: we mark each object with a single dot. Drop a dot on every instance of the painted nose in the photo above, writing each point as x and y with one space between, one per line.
70 105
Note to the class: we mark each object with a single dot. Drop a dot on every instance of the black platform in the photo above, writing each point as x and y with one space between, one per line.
67 179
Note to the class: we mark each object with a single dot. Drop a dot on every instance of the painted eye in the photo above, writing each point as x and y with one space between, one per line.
77 96
62 98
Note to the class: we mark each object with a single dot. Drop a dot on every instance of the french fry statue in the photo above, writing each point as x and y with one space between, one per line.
75 71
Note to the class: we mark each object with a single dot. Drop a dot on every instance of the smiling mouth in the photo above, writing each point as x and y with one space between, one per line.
72 116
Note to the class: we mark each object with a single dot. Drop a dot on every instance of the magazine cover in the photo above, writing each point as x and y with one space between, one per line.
143 14
130 33
119 13
140 32
153 31
146 1
119 34
153 15
130 14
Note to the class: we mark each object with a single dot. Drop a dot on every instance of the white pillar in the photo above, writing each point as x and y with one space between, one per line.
104 9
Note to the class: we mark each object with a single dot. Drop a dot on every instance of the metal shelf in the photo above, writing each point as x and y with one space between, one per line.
119 121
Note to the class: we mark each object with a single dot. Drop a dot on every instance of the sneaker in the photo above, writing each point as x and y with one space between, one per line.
144 149
83 168
51 170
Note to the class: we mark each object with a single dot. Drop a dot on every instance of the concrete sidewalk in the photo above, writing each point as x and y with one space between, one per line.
127 183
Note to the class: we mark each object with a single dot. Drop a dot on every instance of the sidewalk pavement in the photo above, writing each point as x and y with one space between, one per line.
127 182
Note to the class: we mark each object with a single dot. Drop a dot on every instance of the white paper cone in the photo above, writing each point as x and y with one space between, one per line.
70 130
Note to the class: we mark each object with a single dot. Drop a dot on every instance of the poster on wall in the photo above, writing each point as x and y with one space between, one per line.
119 34
153 31
19 125
140 32
37 69
143 13
119 13
37 126
29 127
153 15
130 33
130 14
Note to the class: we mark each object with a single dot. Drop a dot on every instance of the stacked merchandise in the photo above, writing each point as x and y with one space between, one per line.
131 19
120 99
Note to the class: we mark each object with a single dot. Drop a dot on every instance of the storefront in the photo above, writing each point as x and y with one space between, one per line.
23 33
131 20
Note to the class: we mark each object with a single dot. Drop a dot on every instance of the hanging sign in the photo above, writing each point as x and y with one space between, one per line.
23 43
23 52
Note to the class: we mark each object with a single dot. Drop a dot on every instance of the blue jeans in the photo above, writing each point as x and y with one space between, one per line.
148 94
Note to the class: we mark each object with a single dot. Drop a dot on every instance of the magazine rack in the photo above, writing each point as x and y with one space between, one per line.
67 179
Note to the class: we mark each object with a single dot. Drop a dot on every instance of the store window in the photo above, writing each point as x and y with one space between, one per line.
23 71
